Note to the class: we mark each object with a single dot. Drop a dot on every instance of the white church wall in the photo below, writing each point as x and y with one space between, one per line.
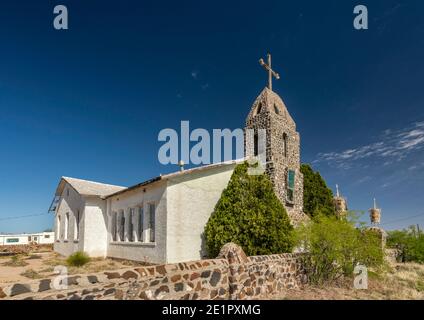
70 202
152 252
94 227
191 200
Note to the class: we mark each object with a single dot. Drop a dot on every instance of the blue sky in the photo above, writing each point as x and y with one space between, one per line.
90 101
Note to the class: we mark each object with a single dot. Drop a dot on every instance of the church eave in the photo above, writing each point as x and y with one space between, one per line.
176 174
139 185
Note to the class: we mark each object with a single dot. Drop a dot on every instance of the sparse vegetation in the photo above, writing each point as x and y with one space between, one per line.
46 270
34 256
419 286
409 242
335 247
401 282
27 248
32 274
15 261
132 263
78 259
44 267
54 260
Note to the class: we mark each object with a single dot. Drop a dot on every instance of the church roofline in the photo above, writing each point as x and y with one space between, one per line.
87 188
176 174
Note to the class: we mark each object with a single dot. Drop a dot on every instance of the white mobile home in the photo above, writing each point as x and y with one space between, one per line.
26 238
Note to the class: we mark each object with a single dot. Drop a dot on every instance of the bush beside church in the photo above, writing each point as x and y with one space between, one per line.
250 215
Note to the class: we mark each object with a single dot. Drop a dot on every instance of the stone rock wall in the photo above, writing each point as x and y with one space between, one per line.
392 256
232 275
259 276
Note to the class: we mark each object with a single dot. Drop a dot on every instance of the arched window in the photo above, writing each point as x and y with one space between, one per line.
114 226
290 186
58 225
255 144
122 227
66 229
277 111
285 145
77 222
140 224
131 225
152 221
259 109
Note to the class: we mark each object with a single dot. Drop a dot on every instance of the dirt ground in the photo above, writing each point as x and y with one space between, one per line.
27 267
400 282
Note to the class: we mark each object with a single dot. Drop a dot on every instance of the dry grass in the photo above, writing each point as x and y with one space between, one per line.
54 260
15 261
31 274
397 282
41 265
27 248
95 265
34 256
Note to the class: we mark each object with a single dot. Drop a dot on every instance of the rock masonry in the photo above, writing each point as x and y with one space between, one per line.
232 275
282 149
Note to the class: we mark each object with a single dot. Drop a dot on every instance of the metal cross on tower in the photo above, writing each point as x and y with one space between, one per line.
271 73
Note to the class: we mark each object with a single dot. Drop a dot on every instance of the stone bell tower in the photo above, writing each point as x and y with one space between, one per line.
282 145
340 204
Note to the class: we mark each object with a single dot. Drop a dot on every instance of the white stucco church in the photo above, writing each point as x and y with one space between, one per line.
157 221
162 220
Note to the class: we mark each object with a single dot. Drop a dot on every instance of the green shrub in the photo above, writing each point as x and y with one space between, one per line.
317 197
335 246
250 215
409 242
78 259
419 286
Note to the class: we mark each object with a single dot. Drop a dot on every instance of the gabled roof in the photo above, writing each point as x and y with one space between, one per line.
88 188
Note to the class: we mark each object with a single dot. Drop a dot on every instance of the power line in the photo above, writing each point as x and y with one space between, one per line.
22 217
403 219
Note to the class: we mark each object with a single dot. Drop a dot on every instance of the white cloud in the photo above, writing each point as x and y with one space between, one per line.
387 132
417 166
194 74
393 146
363 180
